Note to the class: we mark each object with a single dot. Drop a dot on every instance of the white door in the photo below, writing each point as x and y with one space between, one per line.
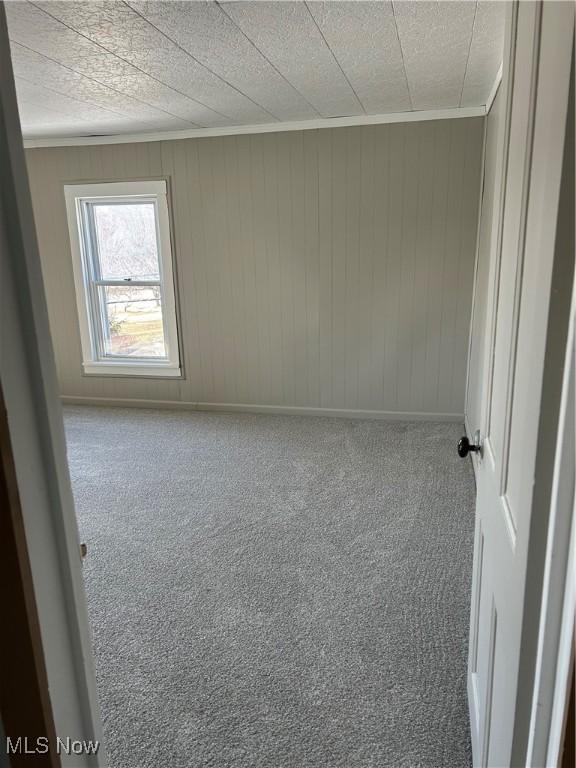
536 75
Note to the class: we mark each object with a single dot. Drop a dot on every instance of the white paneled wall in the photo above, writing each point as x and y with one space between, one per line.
318 269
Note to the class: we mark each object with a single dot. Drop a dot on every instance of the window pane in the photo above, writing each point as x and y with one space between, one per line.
132 318
126 235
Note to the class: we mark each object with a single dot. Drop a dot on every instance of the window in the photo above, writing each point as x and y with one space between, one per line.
120 238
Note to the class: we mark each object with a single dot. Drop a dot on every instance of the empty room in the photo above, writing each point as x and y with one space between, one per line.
287 353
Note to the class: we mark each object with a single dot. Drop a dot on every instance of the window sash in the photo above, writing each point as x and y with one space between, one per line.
94 268
85 247
97 308
128 281
100 324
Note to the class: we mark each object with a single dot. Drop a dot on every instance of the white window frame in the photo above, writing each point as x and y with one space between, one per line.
93 361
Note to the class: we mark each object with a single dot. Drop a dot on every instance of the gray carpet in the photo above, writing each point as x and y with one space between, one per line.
276 592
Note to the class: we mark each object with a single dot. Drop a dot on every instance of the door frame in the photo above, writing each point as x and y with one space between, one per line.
35 431
25 703
555 656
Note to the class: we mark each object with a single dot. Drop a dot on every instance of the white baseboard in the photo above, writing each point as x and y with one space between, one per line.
286 410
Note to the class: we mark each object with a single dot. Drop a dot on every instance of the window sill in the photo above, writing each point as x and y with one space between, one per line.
158 371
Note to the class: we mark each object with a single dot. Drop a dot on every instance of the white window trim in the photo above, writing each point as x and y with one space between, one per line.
78 194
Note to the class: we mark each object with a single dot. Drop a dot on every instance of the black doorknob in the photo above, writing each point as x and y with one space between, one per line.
465 447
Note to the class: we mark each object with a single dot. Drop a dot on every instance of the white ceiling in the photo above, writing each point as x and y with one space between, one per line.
98 68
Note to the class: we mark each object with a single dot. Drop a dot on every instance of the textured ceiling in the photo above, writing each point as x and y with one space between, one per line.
91 68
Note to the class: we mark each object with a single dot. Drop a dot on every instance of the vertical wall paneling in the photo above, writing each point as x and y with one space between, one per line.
316 269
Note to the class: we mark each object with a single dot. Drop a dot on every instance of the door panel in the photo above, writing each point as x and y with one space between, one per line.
538 63
512 235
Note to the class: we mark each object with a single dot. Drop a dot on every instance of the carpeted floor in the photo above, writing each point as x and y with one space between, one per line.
276 592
